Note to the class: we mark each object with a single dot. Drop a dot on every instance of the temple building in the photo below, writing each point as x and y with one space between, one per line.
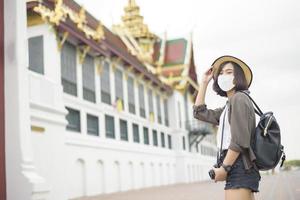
107 110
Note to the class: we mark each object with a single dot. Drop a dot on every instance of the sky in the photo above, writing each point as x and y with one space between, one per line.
264 34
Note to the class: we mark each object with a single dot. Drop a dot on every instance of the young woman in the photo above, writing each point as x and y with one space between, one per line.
236 121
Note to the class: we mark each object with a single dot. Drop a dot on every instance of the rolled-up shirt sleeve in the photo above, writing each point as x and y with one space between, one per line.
239 116
208 115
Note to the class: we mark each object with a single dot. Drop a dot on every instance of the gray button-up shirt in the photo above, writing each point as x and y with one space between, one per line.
241 118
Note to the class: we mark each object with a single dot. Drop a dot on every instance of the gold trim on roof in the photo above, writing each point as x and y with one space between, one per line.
61 12
34 19
179 82
135 33
82 53
181 66
133 21
192 82
61 41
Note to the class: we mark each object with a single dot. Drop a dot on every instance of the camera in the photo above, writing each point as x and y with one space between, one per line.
211 172
220 158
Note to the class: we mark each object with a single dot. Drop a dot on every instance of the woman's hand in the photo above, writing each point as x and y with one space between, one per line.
207 76
220 174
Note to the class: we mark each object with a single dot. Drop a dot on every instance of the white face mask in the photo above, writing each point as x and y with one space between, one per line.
226 82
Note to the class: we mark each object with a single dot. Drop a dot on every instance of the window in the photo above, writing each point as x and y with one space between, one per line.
146 135
109 126
123 130
119 85
169 141
186 109
179 114
183 142
155 139
166 112
73 118
150 100
158 108
36 54
136 135
131 100
88 79
142 101
92 125
68 69
162 137
105 84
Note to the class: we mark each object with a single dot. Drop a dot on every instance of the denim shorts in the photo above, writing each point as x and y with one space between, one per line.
239 177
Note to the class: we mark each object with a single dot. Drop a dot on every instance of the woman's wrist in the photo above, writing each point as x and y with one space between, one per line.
227 168
204 82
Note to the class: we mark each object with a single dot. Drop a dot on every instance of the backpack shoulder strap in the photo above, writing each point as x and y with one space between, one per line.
256 109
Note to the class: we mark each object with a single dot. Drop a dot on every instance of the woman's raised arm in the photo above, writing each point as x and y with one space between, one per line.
206 77
200 110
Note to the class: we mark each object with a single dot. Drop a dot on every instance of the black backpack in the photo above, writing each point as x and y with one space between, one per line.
266 142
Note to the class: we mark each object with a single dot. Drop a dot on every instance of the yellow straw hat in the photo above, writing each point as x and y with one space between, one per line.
219 61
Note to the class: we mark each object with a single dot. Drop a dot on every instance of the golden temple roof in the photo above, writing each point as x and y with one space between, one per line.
134 22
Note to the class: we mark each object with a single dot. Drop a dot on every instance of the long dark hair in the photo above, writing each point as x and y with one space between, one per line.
239 79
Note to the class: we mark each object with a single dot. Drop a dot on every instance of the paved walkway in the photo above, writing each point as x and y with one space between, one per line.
282 186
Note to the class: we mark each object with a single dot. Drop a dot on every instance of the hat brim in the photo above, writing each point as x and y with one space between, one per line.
219 61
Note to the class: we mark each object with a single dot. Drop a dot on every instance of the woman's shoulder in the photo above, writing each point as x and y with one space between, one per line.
240 98
241 105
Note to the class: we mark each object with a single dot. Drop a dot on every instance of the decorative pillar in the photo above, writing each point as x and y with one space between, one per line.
21 173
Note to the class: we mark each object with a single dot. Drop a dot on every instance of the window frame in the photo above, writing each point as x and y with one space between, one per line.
155 137
169 141
31 57
158 107
121 123
131 95
87 125
119 89
73 128
85 89
136 135
111 135
162 139
105 93
141 91
69 86
166 111
146 135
